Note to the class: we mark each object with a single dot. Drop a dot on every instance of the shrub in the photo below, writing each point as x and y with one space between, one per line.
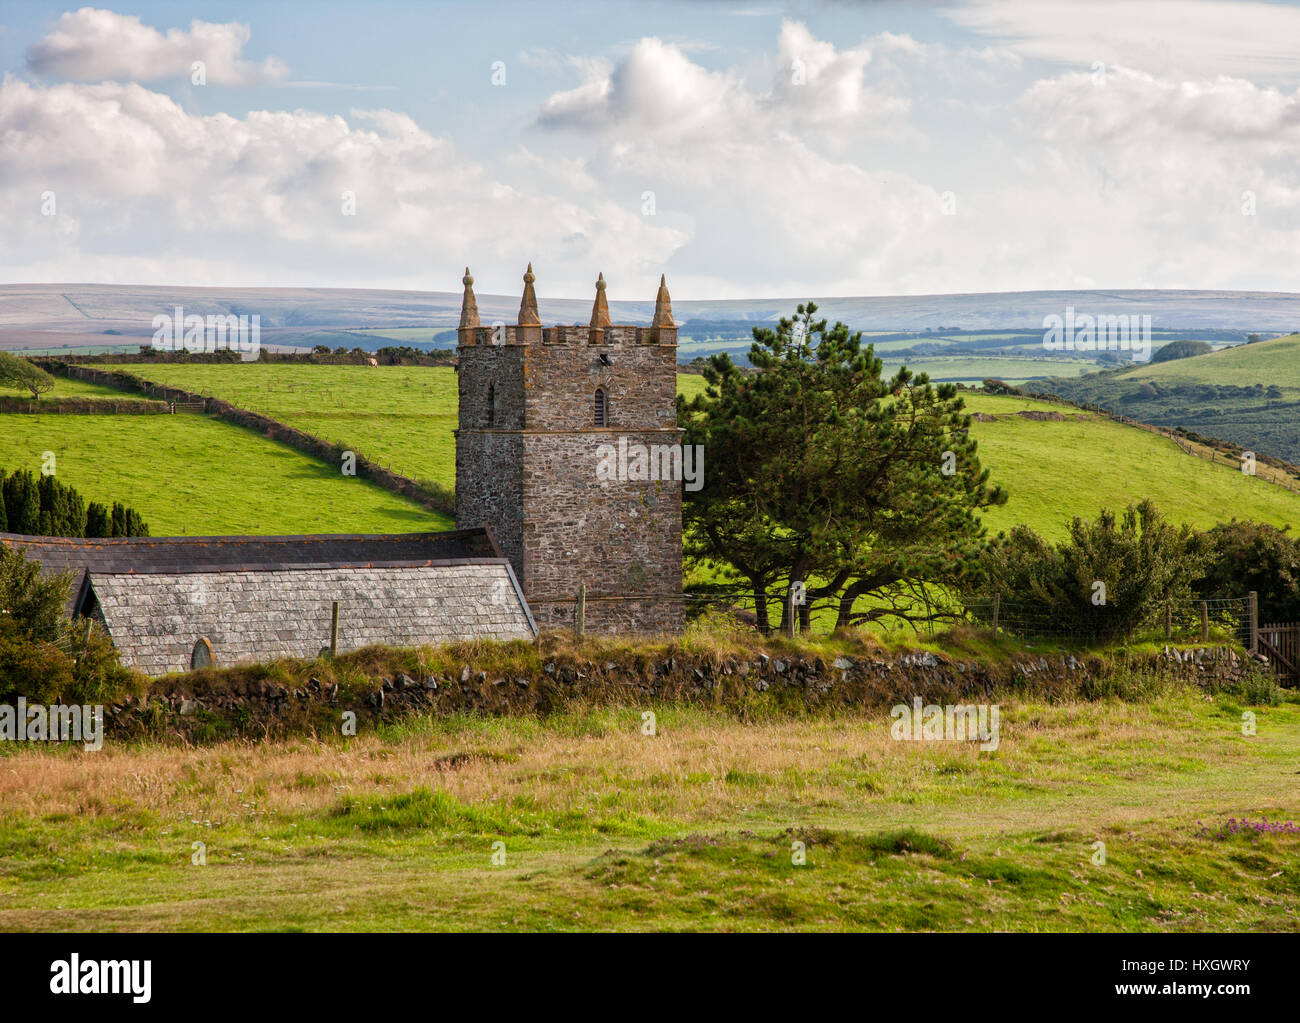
44 656
1259 687
1245 556
1110 579
42 506
22 502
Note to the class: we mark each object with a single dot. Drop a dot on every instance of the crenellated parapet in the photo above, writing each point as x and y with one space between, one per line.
529 330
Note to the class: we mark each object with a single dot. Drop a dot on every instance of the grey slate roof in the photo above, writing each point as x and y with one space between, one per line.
155 618
198 553
256 598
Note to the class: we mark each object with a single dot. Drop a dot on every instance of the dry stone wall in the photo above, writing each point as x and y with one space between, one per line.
203 704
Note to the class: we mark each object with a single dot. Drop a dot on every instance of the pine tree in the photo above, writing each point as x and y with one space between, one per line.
825 471
135 526
74 508
117 522
97 523
22 503
48 495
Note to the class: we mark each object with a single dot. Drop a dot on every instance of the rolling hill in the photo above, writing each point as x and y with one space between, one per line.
1248 394
964 338
1055 461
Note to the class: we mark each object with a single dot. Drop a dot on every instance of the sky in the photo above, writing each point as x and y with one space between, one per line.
745 150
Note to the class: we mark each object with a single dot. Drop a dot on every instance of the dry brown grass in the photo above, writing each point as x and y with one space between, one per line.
701 765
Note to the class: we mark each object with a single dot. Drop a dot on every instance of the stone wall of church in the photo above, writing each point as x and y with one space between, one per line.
536 477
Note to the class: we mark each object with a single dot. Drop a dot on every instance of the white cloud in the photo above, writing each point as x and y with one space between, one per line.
1136 183
1132 107
656 88
751 173
1164 168
759 186
149 193
1171 37
91 45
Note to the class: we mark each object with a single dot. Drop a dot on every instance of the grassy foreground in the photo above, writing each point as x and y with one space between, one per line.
595 825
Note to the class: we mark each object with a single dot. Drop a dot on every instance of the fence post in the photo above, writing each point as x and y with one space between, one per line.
581 626
1169 620
791 613
997 607
334 629
1254 622
1205 622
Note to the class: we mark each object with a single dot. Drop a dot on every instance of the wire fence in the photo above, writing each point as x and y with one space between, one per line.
1184 620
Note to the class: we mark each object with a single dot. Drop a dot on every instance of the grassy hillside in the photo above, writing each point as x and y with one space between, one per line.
188 474
1249 394
399 416
1056 468
1265 362
1059 468
1053 469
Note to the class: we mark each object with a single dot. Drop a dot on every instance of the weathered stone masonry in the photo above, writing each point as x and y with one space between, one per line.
526 460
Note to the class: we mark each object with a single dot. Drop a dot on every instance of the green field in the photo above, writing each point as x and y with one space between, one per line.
1266 362
66 387
401 417
1056 469
597 827
974 369
1248 394
191 475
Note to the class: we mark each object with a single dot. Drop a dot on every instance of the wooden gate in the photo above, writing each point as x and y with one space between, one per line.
1281 645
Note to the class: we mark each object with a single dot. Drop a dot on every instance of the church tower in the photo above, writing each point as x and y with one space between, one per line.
568 448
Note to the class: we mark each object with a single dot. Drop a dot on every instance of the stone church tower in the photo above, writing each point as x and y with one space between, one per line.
541 411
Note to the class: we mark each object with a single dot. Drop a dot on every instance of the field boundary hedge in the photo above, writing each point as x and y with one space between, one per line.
83 406
431 496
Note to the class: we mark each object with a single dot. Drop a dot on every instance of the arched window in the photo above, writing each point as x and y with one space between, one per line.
602 407
492 405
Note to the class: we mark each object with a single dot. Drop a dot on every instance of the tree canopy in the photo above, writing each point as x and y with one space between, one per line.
820 470
19 372
1181 350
